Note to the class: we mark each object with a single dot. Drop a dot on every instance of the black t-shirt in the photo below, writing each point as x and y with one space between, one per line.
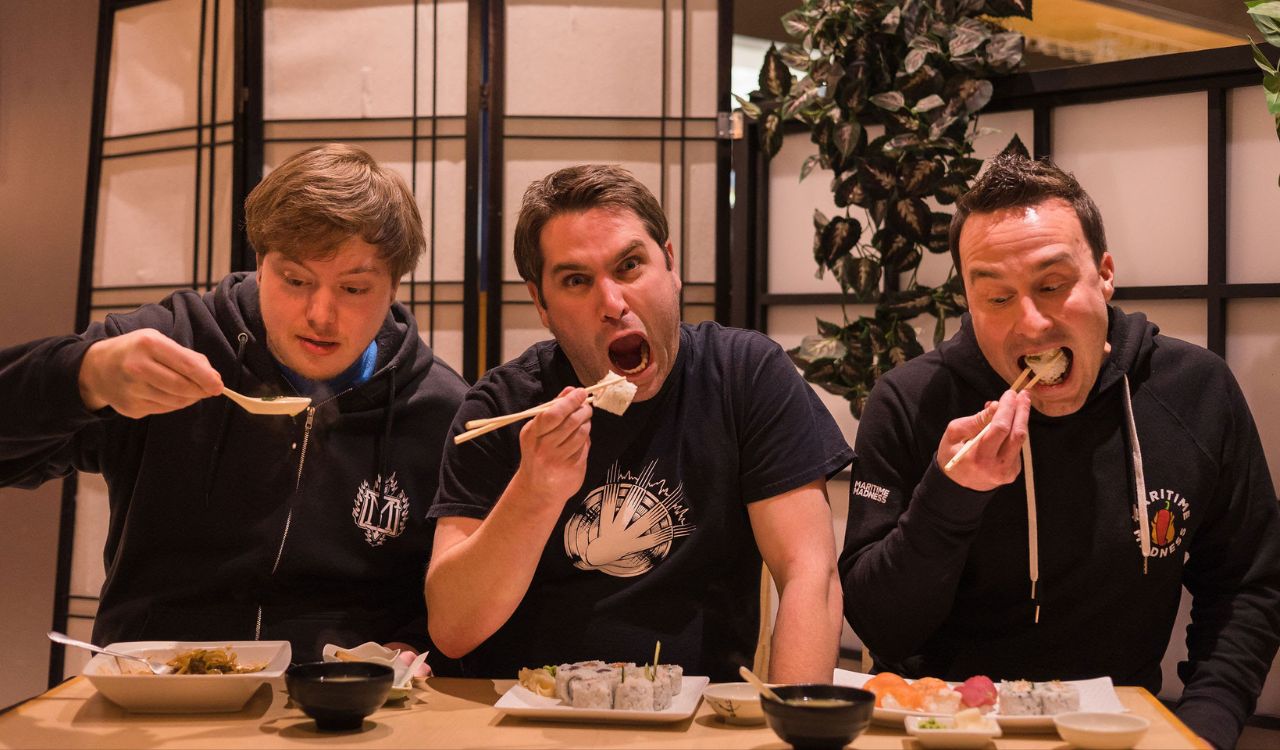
657 544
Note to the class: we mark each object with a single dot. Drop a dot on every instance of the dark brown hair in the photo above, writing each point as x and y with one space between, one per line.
1015 181
575 189
320 197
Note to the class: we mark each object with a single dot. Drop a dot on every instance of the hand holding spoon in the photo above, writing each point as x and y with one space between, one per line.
284 405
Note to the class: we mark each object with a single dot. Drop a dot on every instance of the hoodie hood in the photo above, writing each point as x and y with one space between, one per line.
400 348
1132 339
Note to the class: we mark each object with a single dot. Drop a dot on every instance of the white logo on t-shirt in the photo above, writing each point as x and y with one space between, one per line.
871 491
626 525
379 521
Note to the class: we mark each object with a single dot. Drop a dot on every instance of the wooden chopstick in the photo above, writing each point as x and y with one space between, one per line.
1017 388
478 427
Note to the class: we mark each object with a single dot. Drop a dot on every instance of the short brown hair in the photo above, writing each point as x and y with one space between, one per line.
1015 181
320 197
575 189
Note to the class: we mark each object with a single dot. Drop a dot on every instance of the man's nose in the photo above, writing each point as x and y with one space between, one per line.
613 305
321 309
1032 321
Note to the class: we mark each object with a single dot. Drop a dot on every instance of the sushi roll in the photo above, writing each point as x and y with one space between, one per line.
590 692
564 673
635 693
661 693
1018 698
1057 697
674 674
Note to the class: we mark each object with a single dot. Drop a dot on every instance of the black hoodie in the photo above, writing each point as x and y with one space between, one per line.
936 576
230 526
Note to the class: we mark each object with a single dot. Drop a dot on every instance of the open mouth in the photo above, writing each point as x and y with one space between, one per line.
317 345
629 354
1051 365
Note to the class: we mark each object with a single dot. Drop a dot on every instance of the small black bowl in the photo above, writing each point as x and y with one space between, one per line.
339 694
817 725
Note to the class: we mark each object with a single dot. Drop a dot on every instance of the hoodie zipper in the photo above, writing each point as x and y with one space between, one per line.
288 519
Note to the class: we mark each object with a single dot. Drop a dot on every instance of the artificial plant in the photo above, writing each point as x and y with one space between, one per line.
1266 16
920 69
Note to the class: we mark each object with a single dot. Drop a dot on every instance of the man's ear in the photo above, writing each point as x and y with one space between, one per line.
669 253
1107 272
537 303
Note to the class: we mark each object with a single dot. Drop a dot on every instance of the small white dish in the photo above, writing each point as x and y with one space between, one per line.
401 683
735 702
947 735
1090 730
185 693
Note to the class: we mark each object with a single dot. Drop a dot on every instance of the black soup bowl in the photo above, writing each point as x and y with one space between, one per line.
818 716
339 694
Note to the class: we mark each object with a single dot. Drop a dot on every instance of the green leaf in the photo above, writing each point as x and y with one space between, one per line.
771 134
912 218
933 101
939 233
1015 146
907 303
796 57
915 59
1266 16
1004 51
820 220
839 237
814 348
860 276
846 137
808 165
829 329
891 20
749 108
850 192
802 100
890 100
796 23
775 79
1261 59
965 40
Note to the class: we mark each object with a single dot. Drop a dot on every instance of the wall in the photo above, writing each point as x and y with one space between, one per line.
46 92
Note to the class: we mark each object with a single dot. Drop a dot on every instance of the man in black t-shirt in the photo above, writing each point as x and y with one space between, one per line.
582 535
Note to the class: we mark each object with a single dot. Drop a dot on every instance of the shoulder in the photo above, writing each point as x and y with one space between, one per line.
738 350
522 380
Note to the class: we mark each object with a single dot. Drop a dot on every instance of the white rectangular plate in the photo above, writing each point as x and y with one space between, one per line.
521 702
186 693
1095 695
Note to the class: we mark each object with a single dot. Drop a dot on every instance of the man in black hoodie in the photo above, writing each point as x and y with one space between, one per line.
1143 473
225 525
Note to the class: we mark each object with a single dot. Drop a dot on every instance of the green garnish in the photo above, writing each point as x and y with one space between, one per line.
930 723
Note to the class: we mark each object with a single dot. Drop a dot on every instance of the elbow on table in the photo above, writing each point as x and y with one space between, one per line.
451 638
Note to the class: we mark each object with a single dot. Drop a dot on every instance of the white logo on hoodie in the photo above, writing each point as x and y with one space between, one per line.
380 521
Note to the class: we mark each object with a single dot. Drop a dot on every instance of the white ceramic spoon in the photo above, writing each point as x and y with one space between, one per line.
285 405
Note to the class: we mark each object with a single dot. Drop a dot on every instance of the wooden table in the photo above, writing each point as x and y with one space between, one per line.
444 713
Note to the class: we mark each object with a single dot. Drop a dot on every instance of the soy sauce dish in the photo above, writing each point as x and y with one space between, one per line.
339 694
818 716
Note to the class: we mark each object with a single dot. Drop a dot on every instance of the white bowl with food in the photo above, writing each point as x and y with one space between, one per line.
966 729
1091 730
196 686
735 702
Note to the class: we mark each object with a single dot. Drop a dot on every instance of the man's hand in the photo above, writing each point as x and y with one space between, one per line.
996 459
554 447
145 372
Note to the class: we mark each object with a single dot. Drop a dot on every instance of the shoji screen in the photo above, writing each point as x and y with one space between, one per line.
389 76
630 83
162 214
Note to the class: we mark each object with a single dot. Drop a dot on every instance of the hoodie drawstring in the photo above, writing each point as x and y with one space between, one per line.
1139 485
384 448
224 420
1033 533
1139 480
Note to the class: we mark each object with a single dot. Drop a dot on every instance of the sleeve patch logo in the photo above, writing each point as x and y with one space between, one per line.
871 491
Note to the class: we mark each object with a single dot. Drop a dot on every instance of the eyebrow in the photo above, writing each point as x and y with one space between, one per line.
630 247
980 272
363 268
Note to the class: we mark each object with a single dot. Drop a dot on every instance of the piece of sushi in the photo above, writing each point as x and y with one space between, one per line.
945 701
590 692
674 674
978 692
1018 698
634 693
1056 697
1050 365
564 673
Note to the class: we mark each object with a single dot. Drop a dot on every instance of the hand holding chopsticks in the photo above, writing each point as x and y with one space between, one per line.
613 393
1017 387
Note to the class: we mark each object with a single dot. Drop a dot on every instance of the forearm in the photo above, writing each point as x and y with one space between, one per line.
900 587
503 553
806 635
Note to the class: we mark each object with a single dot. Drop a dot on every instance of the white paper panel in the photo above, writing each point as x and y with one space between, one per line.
1151 190
226 60
703 57
521 328
791 205
588 58
1253 200
696 242
529 160
1006 125
77 658
448 239
1253 352
1185 319
92 514
349 59
146 219
448 20
154 67
222 167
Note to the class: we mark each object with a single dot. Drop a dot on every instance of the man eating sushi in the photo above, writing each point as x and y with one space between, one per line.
1046 531
582 534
